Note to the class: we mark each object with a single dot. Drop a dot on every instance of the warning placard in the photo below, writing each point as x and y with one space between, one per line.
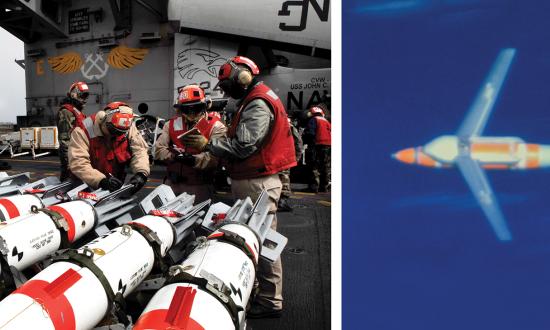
79 21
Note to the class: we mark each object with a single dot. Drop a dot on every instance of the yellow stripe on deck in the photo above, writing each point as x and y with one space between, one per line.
304 193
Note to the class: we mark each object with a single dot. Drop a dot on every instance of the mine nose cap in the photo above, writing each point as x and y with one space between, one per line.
405 155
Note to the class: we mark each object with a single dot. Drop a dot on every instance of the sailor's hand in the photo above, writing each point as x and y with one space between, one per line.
111 183
186 159
195 141
138 180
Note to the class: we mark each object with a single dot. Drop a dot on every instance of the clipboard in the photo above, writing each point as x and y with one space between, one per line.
201 127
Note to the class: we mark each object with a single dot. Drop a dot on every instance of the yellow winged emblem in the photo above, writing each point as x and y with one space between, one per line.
66 63
123 57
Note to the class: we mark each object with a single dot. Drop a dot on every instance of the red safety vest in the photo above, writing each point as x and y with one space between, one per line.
78 115
187 174
178 126
107 155
322 136
277 152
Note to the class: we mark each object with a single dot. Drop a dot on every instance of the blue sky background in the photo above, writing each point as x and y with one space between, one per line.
417 251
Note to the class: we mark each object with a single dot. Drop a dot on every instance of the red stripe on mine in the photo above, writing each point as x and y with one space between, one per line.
70 221
10 207
52 298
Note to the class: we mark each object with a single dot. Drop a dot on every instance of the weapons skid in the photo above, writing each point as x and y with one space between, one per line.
114 205
10 184
41 184
185 227
159 197
28 239
164 196
63 192
256 216
210 289
16 179
32 196
103 271
18 184
260 221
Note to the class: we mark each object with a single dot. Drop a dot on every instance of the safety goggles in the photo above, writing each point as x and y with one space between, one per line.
83 95
191 108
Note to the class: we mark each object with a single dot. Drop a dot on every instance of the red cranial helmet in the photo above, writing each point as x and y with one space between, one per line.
316 111
79 91
239 69
191 98
118 117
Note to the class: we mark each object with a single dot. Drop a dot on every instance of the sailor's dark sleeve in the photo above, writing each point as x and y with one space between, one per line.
253 127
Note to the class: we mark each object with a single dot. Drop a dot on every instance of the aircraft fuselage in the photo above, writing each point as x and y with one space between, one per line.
495 153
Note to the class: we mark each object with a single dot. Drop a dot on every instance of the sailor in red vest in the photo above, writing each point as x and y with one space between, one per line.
103 145
257 147
317 136
68 115
190 170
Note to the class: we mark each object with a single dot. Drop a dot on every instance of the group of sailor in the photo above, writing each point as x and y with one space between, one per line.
255 148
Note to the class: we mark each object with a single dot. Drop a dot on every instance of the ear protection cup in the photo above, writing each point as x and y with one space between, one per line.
101 116
244 77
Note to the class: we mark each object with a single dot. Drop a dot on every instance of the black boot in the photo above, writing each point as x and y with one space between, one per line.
284 205
258 311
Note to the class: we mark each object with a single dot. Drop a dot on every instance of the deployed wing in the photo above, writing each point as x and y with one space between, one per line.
479 185
479 112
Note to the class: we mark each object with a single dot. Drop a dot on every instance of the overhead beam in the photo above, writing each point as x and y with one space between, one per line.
161 12
26 22
122 12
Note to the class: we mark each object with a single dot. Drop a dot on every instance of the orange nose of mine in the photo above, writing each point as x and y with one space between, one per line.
406 156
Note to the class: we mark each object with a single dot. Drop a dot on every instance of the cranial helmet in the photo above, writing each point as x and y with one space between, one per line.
236 74
240 69
79 91
191 99
118 117
316 111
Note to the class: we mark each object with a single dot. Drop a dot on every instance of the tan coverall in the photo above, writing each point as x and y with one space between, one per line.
254 125
79 153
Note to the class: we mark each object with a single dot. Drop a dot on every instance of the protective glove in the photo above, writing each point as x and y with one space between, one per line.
197 141
111 183
138 180
186 159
